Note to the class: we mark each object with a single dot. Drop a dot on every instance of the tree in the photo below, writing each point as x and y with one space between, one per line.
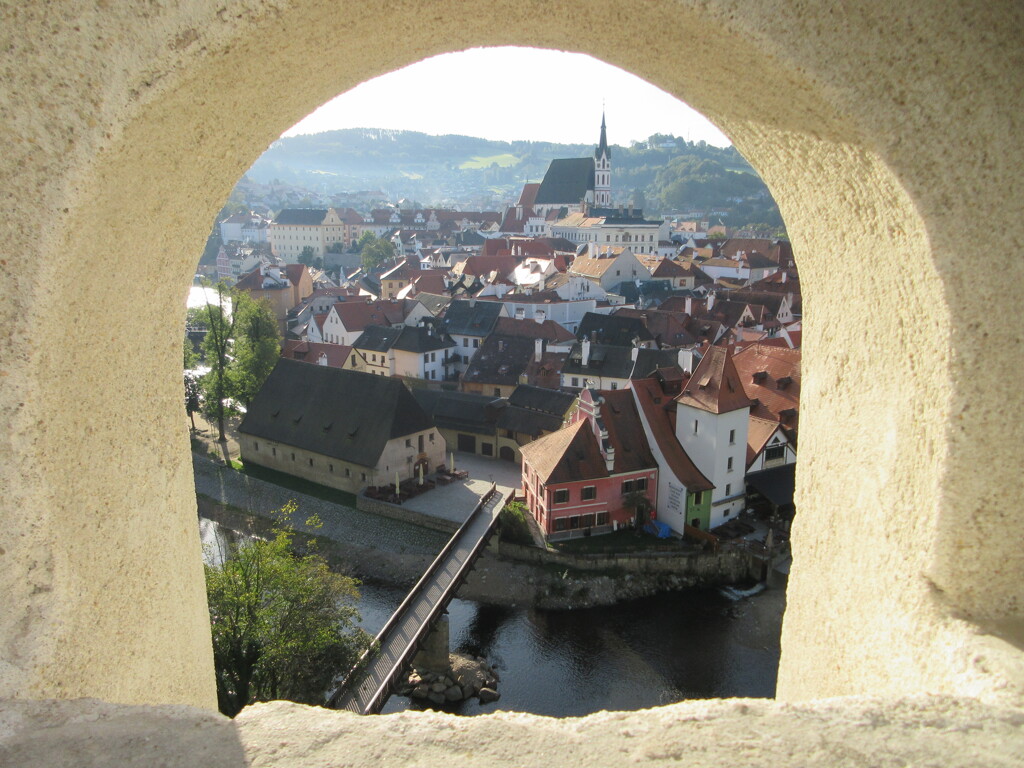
257 346
307 256
283 624
640 504
192 399
216 384
374 250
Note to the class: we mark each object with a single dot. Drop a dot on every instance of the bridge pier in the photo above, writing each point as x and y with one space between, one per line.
433 655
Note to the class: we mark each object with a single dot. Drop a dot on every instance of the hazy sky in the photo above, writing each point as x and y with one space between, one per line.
513 93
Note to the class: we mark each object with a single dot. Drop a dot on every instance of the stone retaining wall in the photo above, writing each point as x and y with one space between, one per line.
724 567
397 512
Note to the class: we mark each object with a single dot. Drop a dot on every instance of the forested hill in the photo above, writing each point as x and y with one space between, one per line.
666 172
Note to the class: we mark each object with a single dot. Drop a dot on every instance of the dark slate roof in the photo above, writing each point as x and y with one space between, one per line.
548 401
650 360
377 338
461 411
648 291
434 303
605 360
421 339
613 329
533 423
472 318
347 415
469 237
500 360
567 181
301 216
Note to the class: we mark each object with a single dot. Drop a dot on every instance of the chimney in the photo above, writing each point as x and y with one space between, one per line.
609 458
538 350
472 301
784 275
586 352
685 360
688 305
711 301
634 353
520 312
540 316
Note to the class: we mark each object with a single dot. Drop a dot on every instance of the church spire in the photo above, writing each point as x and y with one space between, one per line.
603 170
602 147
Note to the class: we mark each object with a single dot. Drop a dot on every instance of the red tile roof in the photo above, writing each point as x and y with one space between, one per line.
531 329
771 375
715 385
657 409
357 315
309 352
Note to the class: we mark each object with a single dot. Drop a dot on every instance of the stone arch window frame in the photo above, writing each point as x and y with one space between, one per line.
850 149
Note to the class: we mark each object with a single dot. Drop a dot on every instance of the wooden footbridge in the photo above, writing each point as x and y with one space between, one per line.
371 682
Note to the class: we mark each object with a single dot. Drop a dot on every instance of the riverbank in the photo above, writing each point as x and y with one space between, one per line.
494 581
390 551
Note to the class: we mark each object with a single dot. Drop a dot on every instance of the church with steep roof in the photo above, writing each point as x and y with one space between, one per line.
577 183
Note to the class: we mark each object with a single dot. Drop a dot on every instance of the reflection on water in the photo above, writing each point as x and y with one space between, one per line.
216 541
643 653
635 655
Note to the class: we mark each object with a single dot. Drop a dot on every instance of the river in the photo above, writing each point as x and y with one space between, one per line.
643 653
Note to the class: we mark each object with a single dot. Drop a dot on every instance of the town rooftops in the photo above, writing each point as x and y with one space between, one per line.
378 338
567 455
715 385
771 376
468 317
542 400
343 414
618 329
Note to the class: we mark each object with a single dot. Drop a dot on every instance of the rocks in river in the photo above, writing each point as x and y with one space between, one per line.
454 693
487 695
465 678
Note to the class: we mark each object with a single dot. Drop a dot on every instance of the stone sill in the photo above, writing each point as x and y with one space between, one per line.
855 731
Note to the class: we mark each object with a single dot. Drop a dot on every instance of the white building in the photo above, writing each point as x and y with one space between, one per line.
712 418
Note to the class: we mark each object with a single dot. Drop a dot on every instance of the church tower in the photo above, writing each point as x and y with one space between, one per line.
603 171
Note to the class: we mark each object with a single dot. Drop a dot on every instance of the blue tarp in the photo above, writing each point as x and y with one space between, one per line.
659 529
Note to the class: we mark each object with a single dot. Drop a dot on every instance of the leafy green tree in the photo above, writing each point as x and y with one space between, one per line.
192 397
641 506
513 525
216 385
257 346
307 256
283 624
374 250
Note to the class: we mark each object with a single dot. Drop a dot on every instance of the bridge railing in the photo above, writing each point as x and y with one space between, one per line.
363 664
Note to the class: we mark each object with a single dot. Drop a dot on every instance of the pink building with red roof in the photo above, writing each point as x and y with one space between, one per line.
583 478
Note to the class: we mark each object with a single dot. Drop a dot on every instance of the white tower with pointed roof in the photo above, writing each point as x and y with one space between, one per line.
603 171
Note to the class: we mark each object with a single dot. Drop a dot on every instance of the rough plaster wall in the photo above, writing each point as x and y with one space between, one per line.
884 136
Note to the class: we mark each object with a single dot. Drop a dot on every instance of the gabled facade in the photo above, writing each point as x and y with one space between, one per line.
347 320
608 266
582 478
419 352
469 322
